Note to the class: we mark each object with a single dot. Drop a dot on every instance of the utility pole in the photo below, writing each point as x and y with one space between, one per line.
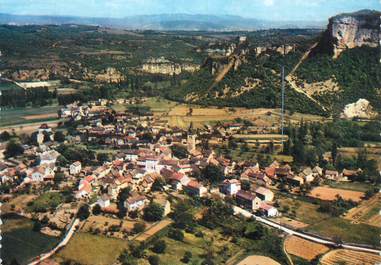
282 108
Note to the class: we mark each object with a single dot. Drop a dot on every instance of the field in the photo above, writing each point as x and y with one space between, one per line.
367 212
17 238
258 260
153 230
48 200
103 223
302 211
28 115
349 257
303 248
348 232
88 249
329 194
198 246
355 186
19 203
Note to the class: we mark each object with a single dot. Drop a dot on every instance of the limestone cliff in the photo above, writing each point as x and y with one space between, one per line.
347 31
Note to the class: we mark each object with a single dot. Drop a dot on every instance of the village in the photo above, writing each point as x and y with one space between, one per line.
123 173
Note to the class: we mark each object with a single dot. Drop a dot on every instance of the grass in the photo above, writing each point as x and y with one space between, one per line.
305 212
46 201
348 232
355 186
88 249
20 242
16 116
374 211
175 250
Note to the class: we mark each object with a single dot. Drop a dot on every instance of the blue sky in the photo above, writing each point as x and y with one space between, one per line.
262 9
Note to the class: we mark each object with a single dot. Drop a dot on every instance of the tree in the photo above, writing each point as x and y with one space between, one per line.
212 173
126 259
97 209
153 212
59 177
245 185
103 157
13 148
254 231
334 152
159 246
154 260
158 185
59 137
187 257
83 212
139 227
176 234
5 136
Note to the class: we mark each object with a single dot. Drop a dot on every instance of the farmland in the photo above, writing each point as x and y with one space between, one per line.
28 115
339 227
303 248
303 211
367 212
17 235
258 260
88 249
342 256
330 194
17 204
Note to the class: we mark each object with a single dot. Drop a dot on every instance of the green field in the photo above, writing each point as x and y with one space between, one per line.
300 210
156 104
220 246
355 186
20 242
351 233
88 249
48 200
16 116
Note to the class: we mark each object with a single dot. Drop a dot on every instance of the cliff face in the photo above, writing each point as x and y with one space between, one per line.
353 30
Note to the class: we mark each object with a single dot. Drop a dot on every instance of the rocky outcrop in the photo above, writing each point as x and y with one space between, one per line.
360 109
110 75
347 31
286 49
166 67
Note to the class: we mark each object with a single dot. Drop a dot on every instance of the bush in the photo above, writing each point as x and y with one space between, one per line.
187 257
159 246
97 209
153 260
153 212
176 234
139 227
83 212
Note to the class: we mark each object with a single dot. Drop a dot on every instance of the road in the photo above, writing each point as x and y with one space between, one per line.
238 210
63 243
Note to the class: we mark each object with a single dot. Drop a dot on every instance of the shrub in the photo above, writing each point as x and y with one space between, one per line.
159 246
176 234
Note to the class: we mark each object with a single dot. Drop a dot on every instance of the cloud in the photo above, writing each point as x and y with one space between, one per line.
270 2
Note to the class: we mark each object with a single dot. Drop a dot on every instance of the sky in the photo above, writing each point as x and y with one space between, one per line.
317 10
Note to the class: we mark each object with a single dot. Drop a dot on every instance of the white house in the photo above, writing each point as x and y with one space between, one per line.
49 157
268 210
264 194
196 189
104 201
75 168
135 203
231 186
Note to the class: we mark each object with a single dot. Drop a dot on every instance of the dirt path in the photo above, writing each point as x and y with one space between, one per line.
290 262
290 80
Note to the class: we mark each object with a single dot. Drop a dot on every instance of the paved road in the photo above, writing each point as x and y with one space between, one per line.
63 243
238 210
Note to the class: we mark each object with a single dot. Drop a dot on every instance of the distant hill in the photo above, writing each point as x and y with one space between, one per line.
323 74
164 22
